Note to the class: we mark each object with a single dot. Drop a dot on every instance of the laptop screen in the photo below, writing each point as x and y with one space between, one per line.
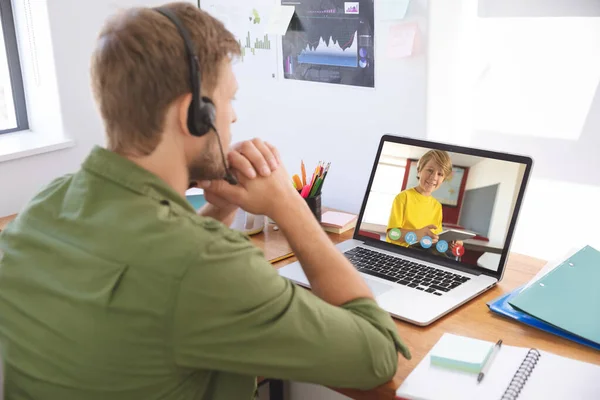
449 205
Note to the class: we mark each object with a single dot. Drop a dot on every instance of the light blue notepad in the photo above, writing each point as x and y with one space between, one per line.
461 353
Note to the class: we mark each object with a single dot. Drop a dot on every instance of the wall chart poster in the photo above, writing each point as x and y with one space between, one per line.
247 20
330 41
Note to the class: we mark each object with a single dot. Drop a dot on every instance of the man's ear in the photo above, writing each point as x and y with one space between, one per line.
183 108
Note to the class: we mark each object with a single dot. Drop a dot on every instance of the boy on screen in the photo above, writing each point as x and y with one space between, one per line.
415 209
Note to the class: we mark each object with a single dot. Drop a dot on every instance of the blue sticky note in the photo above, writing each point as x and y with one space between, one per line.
461 353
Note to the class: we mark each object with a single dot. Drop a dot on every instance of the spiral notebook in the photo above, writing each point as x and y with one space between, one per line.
517 373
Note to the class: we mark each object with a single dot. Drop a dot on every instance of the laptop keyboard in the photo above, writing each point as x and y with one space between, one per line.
411 274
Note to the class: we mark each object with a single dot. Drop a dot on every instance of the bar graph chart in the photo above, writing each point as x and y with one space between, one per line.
258 58
250 46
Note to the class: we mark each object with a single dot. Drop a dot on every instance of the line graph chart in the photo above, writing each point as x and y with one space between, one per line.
330 41
331 53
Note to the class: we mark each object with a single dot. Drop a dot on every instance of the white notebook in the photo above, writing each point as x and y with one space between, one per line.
516 373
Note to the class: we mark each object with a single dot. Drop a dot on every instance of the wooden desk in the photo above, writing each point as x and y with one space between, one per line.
472 319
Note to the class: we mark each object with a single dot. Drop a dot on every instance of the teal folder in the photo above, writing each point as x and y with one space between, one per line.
196 200
568 297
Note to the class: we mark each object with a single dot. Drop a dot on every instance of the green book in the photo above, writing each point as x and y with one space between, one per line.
568 297
461 353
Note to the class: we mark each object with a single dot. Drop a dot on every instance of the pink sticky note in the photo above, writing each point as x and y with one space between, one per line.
401 40
336 219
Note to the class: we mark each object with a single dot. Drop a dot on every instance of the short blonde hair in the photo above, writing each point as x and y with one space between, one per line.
440 157
140 66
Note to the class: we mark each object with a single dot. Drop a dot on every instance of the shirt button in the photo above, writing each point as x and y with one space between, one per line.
211 224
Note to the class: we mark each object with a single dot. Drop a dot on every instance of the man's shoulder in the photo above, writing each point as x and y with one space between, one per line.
213 235
134 228
213 242
57 184
46 197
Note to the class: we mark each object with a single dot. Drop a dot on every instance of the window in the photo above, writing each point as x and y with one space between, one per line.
13 112
387 183
541 77
540 67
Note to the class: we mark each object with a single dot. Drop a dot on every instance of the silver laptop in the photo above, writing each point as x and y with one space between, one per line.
416 276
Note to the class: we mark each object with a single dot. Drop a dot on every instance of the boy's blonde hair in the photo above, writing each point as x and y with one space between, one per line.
440 157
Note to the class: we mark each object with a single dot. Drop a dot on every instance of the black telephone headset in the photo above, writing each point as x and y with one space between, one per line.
202 113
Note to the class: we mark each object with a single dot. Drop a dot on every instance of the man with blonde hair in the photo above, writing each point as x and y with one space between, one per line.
113 287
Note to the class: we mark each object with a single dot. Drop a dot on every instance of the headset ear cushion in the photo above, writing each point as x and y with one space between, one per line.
201 117
205 116
191 119
208 110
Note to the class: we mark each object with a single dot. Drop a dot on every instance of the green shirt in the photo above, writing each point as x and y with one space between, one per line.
112 287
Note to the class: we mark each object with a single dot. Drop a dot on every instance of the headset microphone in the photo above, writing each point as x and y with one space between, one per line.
229 178
202 112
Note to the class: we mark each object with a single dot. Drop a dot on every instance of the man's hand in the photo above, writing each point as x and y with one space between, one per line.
249 159
254 157
264 195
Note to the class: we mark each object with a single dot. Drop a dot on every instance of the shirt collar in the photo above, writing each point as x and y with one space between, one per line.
128 174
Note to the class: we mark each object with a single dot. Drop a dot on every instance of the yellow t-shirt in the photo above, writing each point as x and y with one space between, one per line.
411 210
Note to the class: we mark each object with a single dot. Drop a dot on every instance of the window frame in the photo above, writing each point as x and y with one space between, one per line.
14 66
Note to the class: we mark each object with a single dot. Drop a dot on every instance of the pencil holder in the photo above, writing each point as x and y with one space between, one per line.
314 203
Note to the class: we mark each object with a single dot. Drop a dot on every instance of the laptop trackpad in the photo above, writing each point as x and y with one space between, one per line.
378 288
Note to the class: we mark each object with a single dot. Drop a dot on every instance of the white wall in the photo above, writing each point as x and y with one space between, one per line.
340 124
565 183
539 8
507 175
449 75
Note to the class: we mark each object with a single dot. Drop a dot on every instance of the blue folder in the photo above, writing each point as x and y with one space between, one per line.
501 306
